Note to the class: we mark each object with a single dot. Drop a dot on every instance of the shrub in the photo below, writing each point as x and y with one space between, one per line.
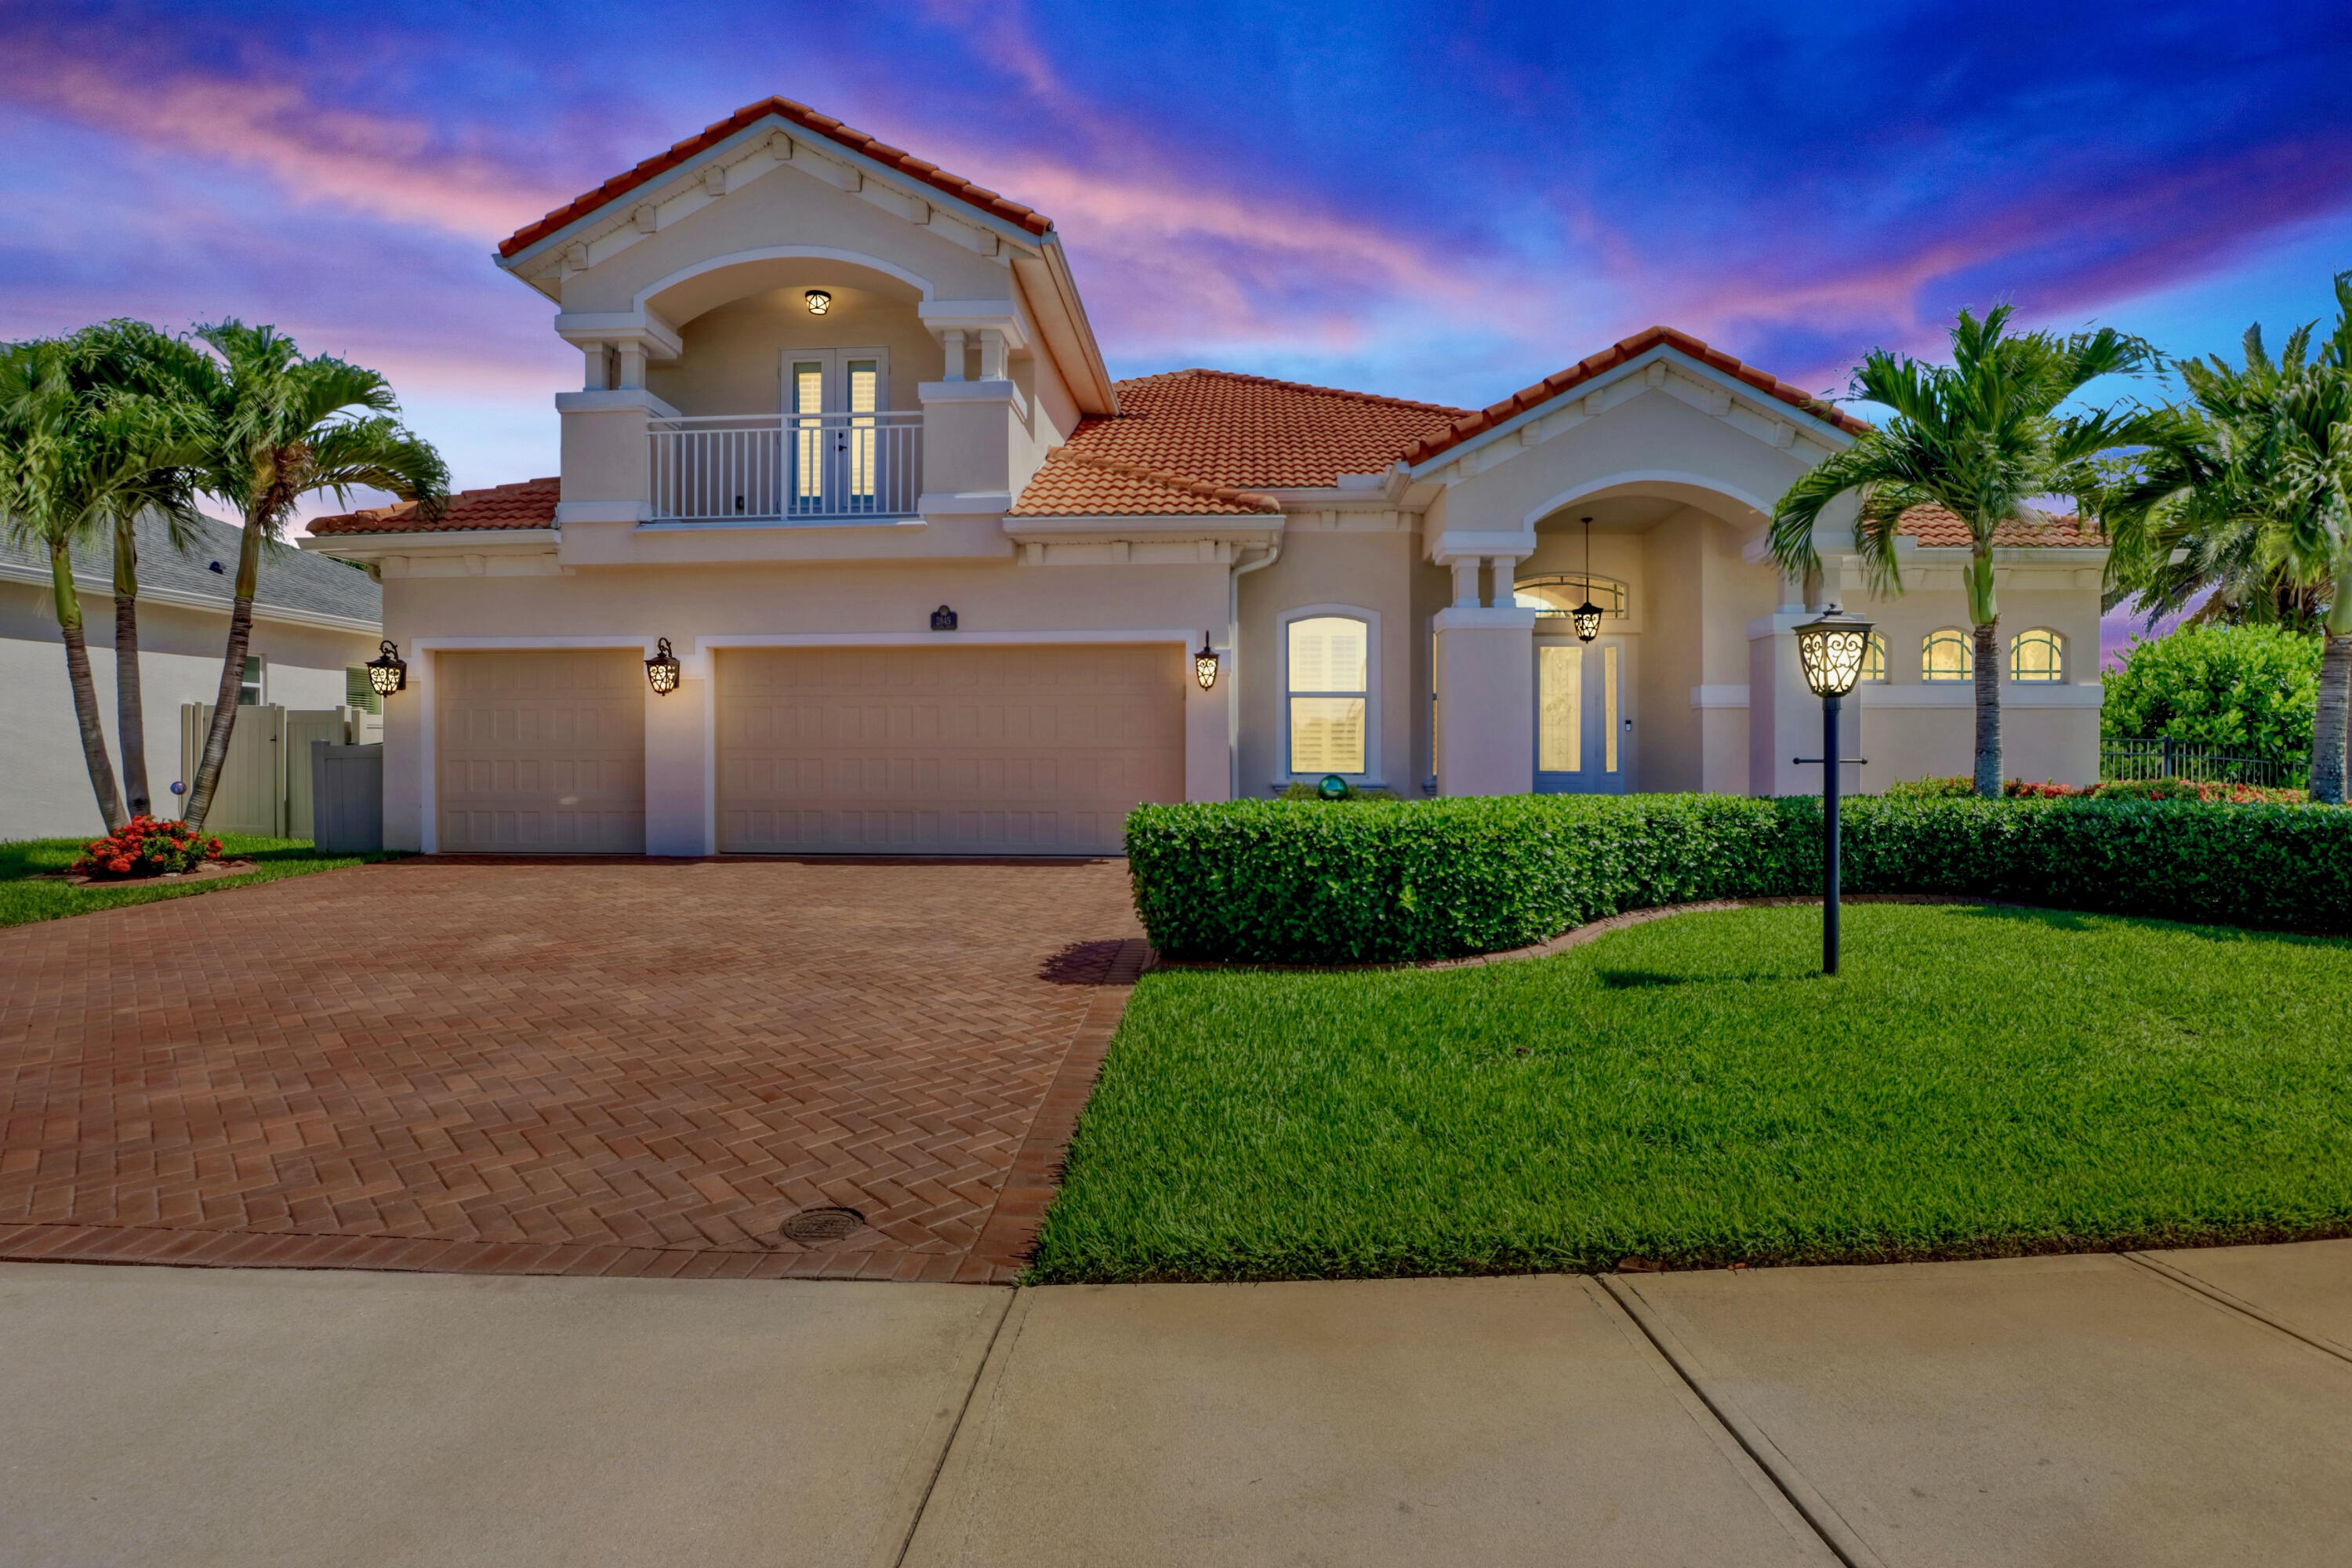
145 847
2247 690
1283 882
1932 789
1313 792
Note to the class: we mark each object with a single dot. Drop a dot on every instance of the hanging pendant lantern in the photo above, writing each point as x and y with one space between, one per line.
1587 615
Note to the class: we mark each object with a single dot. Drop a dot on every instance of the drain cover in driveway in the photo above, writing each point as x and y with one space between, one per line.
820 1225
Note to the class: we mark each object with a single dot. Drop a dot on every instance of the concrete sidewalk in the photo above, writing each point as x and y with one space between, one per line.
2190 1407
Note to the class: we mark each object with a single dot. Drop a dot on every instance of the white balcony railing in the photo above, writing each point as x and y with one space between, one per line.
786 467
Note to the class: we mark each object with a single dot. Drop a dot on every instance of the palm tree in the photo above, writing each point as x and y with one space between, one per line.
1982 437
127 359
276 427
76 458
2245 493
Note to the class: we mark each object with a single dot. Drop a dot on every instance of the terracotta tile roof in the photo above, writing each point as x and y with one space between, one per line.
807 119
1608 359
529 504
1074 484
1251 432
1934 527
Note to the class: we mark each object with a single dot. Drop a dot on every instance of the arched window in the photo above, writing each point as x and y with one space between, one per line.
1560 595
2039 655
1327 680
1948 655
1874 658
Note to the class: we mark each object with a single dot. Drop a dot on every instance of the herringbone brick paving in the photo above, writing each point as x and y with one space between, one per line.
634 1067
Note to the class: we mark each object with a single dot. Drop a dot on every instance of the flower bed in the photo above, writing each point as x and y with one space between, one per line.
145 846
1299 882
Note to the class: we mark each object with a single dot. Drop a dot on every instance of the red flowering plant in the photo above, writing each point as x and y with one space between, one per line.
145 847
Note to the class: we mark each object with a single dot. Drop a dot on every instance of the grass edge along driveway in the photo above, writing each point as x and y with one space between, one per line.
1978 1083
27 896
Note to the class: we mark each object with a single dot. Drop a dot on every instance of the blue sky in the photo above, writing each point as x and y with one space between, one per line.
1437 202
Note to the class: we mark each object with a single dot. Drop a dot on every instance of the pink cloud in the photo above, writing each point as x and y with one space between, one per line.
387 167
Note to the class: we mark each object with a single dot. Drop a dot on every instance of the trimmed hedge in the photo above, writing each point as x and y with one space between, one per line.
1301 882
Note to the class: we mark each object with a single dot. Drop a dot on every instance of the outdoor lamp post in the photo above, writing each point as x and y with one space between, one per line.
1831 650
1204 665
386 672
662 668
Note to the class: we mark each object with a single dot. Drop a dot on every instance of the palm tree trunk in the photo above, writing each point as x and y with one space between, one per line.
240 634
1988 677
130 706
85 689
2330 724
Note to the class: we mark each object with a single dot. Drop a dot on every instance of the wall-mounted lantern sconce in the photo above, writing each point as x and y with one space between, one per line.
662 669
1204 665
386 672
944 619
818 301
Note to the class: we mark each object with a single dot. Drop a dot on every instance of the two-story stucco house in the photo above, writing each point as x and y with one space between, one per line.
937 583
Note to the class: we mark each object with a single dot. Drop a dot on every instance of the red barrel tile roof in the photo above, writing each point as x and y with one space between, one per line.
1608 359
1934 527
1076 484
529 504
792 113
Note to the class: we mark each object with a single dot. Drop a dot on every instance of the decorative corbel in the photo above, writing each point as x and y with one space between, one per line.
644 217
714 180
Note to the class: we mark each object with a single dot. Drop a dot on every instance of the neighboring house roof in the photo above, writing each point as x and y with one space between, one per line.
528 504
1610 358
292 582
1934 528
807 119
1227 431
1076 484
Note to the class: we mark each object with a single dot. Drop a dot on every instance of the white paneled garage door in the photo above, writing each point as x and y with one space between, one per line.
951 751
540 753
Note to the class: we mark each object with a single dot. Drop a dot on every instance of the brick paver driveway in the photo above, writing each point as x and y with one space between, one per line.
603 1067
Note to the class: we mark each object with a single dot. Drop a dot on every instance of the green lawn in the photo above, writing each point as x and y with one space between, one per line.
1977 1082
25 896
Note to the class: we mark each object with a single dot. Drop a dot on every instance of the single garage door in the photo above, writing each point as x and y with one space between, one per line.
956 750
542 752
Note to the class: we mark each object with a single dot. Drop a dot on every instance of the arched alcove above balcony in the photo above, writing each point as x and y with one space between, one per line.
741 324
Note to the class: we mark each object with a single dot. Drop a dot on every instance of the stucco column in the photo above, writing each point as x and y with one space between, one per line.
952 343
1486 701
633 367
1465 581
1208 731
677 792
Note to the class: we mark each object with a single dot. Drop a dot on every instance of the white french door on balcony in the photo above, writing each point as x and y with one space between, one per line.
1584 727
835 463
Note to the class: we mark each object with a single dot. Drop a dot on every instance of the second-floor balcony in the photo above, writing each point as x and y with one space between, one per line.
787 468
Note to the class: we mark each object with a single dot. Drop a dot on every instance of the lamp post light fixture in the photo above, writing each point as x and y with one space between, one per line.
1204 665
387 673
818 301
662 669
1586 617
1831 650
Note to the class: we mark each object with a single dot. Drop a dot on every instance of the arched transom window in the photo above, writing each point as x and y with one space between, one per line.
1948 655
1329 666
2038 655
1874 658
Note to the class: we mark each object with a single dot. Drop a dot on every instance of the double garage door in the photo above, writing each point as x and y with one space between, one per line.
971 750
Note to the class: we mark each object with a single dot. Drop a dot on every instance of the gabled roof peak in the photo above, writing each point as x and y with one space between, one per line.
806 118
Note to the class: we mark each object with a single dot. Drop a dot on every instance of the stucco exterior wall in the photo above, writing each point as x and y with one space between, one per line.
733 354
1341 567
783 209
43 787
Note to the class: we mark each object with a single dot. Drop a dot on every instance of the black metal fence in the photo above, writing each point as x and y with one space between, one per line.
2166 758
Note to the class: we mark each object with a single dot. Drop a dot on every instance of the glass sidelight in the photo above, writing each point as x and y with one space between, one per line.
1583 730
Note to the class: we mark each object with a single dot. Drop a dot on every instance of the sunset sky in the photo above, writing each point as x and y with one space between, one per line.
1436 202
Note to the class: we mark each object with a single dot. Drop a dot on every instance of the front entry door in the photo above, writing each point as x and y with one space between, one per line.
1584 729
